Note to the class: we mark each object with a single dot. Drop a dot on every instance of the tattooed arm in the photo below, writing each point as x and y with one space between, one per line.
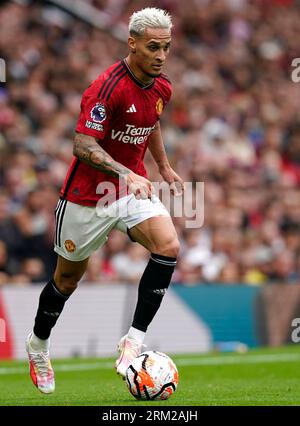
86 149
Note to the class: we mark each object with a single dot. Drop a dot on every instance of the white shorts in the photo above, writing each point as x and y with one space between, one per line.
81 230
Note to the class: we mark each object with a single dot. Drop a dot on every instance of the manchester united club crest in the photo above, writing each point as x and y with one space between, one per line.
70 246
159 106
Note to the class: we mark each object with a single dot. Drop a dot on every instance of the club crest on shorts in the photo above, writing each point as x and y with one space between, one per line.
98 113
70 246
159 106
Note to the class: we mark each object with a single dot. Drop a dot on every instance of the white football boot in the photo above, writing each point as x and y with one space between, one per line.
129 349
41 371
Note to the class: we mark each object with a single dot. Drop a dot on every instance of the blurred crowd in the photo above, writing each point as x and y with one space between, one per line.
233 123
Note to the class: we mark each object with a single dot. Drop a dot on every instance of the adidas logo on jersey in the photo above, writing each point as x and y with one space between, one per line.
132 108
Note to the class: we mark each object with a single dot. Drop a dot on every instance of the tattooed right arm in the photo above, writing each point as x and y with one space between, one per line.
87 150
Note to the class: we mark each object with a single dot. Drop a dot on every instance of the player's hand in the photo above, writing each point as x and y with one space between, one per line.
175 182
141 187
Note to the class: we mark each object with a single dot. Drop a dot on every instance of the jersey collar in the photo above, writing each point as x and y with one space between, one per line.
133 77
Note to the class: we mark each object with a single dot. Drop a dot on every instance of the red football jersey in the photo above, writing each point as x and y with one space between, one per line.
121 113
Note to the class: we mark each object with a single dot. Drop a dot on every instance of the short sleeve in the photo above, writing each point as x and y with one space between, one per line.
94 118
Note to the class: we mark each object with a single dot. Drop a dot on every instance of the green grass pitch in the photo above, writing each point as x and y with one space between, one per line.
259 377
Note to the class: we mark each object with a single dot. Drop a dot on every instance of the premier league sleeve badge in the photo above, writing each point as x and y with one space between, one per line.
98 113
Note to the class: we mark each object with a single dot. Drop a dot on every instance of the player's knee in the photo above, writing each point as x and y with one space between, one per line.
170 248
67 283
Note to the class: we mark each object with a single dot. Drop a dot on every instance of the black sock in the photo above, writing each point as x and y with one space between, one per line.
153 285
51 304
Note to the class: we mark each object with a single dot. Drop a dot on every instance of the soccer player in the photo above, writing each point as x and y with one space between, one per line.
119 120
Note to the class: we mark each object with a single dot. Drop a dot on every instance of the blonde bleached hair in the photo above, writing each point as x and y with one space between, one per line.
150 17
